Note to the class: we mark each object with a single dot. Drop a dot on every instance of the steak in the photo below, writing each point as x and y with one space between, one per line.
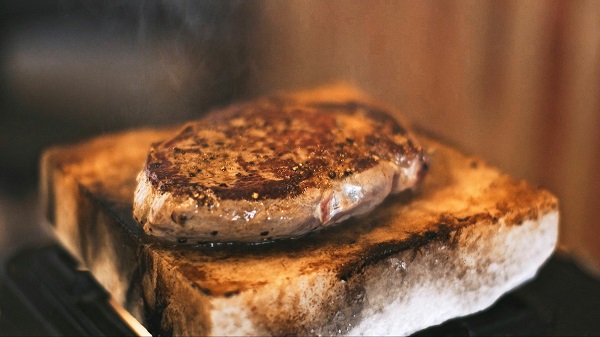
274 168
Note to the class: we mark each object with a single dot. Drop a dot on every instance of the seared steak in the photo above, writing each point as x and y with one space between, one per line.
273 168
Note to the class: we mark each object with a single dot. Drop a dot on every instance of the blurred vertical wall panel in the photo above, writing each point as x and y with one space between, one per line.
581 120
516 82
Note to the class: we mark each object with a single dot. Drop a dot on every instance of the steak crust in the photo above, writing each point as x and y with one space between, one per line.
274 168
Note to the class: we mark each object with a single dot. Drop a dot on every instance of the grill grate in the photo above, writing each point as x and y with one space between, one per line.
43 292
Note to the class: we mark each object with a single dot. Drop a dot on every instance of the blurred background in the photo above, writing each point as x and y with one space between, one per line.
515 82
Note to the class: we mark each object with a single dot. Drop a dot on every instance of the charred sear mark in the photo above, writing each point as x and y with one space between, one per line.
231 293
203 290
179 218
445 230
415 242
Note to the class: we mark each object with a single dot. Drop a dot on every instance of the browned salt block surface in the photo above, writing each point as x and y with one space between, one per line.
469 234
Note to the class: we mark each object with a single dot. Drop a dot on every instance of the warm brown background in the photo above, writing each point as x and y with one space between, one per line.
517 82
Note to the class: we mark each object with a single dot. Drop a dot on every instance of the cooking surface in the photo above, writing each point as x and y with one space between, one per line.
87 189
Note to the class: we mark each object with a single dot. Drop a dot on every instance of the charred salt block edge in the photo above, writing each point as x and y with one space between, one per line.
453 247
